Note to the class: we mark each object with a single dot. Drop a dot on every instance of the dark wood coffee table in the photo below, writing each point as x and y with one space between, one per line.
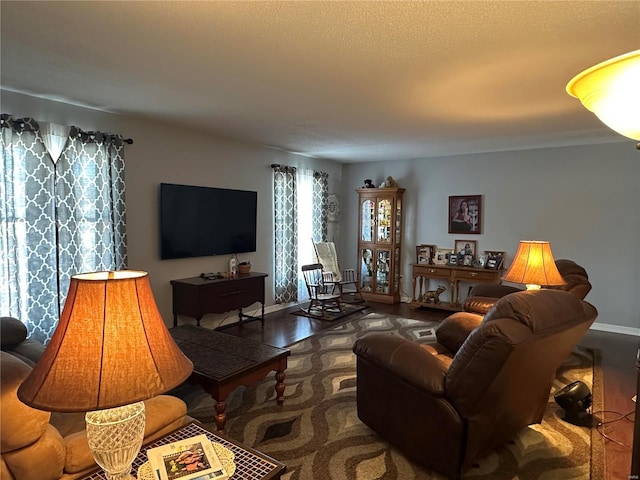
223 362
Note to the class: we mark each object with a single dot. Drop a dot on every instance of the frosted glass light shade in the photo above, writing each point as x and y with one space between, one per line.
611 91
534 266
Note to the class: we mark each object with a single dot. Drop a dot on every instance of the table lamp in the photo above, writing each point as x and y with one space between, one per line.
110 351
534 266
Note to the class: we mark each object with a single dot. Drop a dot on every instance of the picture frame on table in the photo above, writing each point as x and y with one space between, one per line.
480 262
441 256
453 259
467 261
466 247
425 254
495 259
465 214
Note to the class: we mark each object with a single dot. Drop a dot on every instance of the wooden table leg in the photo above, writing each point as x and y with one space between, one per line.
280 386
221 416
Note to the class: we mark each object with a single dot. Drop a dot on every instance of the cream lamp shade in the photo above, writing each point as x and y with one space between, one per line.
611 90
533 265
110 348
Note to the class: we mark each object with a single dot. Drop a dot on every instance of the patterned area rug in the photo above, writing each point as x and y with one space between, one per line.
318 435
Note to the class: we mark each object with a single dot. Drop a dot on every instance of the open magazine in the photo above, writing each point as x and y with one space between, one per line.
191 459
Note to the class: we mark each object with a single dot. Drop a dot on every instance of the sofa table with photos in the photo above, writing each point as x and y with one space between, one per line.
196 296
451 275
223 362
249 464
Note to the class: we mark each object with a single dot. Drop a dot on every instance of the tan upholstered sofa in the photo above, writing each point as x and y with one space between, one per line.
446 404
38 445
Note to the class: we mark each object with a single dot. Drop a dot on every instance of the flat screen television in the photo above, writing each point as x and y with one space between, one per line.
202 221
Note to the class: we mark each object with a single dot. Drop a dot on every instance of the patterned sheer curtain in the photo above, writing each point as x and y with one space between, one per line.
58 217
320 215
285 218
300 202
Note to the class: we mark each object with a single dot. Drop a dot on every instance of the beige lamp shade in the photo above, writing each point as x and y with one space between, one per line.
534 265
110 348
610 90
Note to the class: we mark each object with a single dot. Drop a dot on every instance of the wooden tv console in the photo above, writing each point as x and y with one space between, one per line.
196 296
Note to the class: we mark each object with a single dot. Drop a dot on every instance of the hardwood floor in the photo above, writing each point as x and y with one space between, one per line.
618 365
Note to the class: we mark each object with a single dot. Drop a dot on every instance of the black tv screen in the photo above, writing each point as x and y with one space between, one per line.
201 221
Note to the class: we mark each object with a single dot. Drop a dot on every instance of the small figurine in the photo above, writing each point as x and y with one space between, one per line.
433 295
391 183
368 183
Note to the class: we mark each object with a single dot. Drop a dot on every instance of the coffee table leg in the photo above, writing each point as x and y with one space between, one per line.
221 416
280 386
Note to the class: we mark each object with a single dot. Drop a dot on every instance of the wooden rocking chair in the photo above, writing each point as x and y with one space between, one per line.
320 300
334 277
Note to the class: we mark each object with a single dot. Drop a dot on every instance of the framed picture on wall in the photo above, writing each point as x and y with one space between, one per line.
465 214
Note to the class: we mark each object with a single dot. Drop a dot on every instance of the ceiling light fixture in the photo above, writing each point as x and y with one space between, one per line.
611 91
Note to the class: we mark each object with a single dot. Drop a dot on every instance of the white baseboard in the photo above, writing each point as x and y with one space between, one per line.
604 327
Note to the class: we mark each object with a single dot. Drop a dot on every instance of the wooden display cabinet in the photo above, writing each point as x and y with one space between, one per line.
379 240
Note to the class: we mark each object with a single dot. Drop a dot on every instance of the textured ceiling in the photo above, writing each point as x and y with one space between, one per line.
350 81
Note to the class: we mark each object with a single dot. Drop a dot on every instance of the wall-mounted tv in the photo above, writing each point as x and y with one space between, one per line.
202 221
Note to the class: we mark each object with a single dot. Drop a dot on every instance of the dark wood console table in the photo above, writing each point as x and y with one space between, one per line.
452 275
195 297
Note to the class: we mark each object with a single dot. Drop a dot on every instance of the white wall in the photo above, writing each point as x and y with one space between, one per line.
584 200
171 154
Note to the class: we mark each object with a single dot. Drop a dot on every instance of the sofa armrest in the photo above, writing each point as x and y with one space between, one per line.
454 330
404 359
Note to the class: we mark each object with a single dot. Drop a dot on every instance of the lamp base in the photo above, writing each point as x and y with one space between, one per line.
115 436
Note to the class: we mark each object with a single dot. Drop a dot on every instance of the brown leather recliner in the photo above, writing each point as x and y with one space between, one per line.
446 404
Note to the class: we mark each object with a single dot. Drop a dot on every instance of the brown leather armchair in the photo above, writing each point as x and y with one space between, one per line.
446 404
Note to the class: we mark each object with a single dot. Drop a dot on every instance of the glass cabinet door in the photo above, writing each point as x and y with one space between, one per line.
396 270
398 221
384 220
383 271
366 270
367 221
